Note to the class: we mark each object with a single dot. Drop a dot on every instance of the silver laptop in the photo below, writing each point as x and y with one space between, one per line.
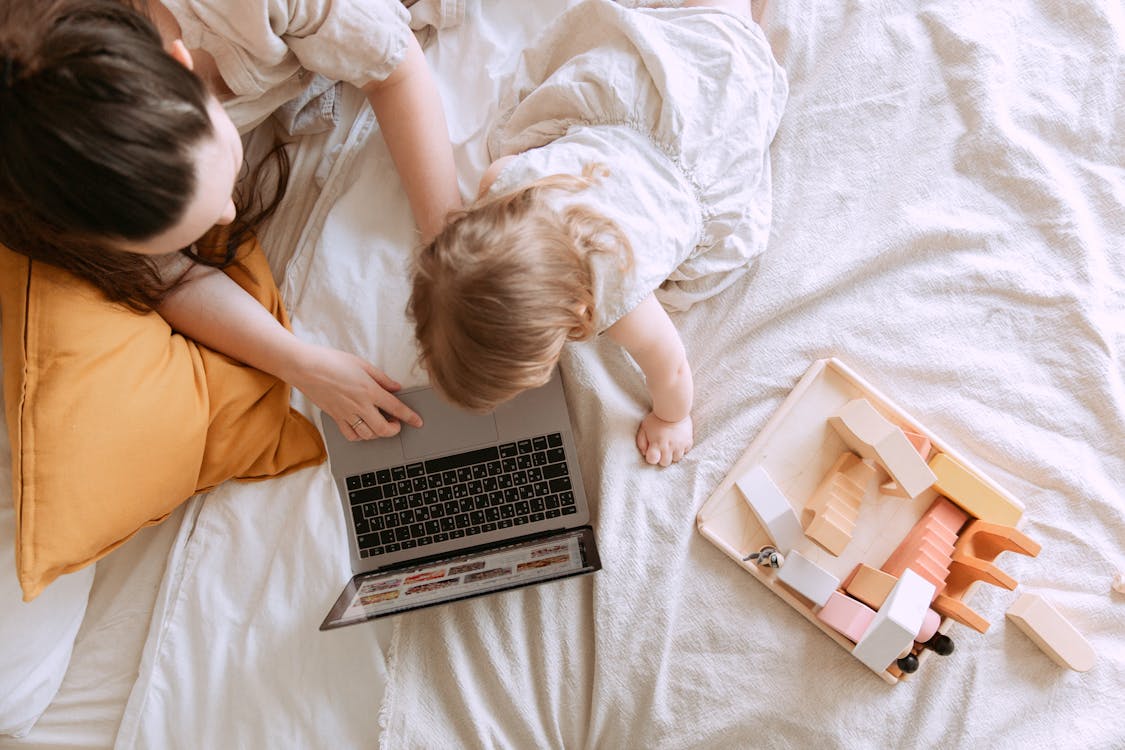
468 504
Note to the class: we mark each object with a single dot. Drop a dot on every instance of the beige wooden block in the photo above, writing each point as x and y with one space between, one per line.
1051 632
870 435
869 585
970 492
921 444
830 515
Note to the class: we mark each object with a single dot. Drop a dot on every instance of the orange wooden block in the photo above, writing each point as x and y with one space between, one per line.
955 609
869 585
829 516
973 494
928 546
985 541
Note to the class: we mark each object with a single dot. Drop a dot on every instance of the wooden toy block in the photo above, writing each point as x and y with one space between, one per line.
921 444
930 625
870 435
896 624
985 541
846 616
955 609
807 578
966 567
829 516
1051 632
772 509
970 492
928 547
869 585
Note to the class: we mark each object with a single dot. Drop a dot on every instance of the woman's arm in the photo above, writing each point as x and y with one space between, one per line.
209 307
647 333
410 115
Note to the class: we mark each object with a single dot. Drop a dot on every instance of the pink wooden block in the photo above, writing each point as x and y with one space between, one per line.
846 615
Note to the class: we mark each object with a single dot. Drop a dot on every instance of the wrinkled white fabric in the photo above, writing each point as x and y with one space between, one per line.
634 90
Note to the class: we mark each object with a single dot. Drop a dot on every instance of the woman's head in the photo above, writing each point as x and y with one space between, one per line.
110 146
505 285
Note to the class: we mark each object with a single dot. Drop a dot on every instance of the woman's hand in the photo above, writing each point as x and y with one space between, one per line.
662 442
353 392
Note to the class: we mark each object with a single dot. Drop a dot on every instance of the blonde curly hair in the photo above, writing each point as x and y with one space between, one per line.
504 286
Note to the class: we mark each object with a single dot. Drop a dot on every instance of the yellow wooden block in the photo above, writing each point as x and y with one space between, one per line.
869 585
971 493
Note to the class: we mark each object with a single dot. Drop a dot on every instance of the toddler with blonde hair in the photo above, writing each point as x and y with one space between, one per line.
631 174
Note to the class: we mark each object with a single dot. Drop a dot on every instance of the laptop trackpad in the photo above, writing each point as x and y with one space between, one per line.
446 428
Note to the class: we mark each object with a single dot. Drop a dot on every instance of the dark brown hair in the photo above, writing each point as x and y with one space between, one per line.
98 126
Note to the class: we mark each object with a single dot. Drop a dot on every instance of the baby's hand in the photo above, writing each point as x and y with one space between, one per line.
662 442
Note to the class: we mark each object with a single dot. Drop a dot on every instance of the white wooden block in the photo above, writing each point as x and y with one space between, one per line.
772 508
896 623
1051 632
807 578
870 435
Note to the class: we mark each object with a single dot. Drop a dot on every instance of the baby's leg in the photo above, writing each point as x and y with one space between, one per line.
737 7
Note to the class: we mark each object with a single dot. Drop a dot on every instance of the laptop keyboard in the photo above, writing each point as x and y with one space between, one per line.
462 495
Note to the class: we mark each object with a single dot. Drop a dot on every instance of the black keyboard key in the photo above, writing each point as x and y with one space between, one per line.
554 455
520 477
385 506
539 443
472 531
554 440
416 500
477 517
526 491
432 527
389 490
353 483
415 470
566 498
521 520
389 548
362 527
493 514
467 458
376 523
409 544
437 510
357 513
476 487
507 511
487 527
457 534
495 498
419 484
402 533
423 541
523 508
386 537
465 504
460 491
490 484
562 484
422 514
523 461
368 495
367 541
494 468
542 489
480 471
504 481
537 505
480 501
434 480
402 502
417 530
537 517
511 495
553 513
461 520
442 537
553 471
368 479
452 507
398 473
448 524
508 465
524 446
370 510
449 477
465 473
406 517
391 520
569 510
535 474
508 449
445 494
552 501
383 476
506 523
405 487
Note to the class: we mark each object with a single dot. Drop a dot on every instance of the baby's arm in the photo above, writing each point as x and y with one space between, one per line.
209 307
647 333
408 107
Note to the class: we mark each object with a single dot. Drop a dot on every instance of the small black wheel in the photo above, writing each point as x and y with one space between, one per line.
940 644
908 664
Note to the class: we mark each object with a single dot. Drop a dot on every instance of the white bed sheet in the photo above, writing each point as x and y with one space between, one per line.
948 221
86 711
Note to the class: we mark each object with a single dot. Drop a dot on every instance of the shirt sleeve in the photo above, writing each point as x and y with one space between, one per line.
259 44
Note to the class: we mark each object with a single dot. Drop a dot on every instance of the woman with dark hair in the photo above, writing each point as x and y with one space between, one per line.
118 164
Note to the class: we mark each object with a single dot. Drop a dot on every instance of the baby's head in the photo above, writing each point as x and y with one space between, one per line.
505 285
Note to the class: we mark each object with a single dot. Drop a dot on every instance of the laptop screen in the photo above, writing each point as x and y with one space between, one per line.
486 570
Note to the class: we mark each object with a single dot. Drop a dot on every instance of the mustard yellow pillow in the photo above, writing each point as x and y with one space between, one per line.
115 420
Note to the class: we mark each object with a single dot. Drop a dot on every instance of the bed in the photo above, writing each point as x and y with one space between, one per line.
949 220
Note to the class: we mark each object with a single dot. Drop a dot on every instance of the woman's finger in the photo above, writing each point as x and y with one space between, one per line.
395 408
